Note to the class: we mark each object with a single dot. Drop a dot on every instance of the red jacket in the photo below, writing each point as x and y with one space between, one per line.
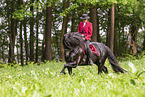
87 30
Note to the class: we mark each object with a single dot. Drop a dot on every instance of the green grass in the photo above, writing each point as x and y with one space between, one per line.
45 81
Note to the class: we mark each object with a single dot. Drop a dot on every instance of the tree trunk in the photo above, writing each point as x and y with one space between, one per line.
3 54
73 21
18 54
65 5
21 44
31 34
112 28
37 40
116 36
108 29
61 41
43 48
98 34
133 31
12 34
48 55
93 17
21 36
26 42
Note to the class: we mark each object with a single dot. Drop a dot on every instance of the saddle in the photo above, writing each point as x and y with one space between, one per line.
93 50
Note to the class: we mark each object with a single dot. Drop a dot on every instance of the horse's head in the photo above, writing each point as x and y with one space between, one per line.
66 41
73 39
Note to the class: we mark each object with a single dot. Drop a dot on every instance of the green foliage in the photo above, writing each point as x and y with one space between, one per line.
88 1
127 57
142 55
21 14
127 12
68 10
142 11
45 81
24 11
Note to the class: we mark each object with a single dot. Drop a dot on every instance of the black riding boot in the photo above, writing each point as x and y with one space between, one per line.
89 53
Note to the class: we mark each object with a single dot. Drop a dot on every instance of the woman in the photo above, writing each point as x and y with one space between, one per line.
85 28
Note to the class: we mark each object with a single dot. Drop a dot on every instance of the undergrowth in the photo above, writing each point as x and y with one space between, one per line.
44 80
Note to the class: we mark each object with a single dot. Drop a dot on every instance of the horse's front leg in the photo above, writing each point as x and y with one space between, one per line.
70 70
68 65
73 65
63 70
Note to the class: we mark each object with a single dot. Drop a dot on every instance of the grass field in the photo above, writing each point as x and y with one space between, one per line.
45 81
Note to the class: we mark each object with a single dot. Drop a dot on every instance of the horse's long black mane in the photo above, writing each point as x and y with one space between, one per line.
73 39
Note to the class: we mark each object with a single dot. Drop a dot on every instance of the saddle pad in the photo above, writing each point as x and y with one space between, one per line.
93 49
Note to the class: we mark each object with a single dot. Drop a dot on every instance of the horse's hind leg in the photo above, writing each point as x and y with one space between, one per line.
101 66
105 69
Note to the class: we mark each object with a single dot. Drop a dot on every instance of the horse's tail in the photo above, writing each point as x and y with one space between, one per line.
113 62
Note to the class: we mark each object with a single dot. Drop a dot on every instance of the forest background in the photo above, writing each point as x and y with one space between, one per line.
116 23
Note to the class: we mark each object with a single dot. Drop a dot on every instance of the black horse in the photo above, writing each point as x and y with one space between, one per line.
75 54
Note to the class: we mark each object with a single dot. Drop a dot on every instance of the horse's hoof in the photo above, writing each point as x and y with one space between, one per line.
62 73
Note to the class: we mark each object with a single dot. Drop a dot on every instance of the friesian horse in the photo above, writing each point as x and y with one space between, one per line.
75 54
